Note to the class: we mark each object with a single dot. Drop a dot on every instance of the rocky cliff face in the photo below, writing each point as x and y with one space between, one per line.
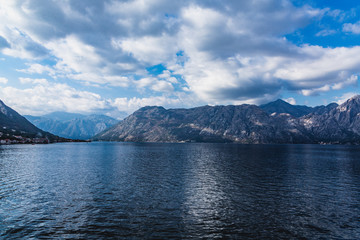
74 126
340 124
243 124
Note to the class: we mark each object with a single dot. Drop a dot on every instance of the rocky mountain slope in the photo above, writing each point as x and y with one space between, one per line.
14 128
72 125
243 124
337 125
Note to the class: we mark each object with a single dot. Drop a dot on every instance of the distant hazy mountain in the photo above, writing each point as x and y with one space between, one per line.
72 125
280 123
15 128
63 116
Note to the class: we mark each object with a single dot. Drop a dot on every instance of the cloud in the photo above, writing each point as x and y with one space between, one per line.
318 66
145 82
315 91
3 43
45 97
14 32
36 68
154 84
217 52
116 81
326 32
352 80
352 27
162 86
292 101
345 97
148 49
19 44
132 104
3 80
39 81
74 55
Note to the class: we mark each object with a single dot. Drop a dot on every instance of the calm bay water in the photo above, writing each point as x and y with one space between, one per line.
146 191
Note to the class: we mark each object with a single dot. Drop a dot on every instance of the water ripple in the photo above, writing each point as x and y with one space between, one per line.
172 191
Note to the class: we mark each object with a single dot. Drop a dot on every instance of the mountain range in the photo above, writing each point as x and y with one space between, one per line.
276 122
14 128
72 125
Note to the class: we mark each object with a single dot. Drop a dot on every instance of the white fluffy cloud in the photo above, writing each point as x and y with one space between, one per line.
40 81
44 97
36 68
316 63
154 84
74 55
149 49
352 27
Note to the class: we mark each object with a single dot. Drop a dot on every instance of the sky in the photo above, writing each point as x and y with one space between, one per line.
113 56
